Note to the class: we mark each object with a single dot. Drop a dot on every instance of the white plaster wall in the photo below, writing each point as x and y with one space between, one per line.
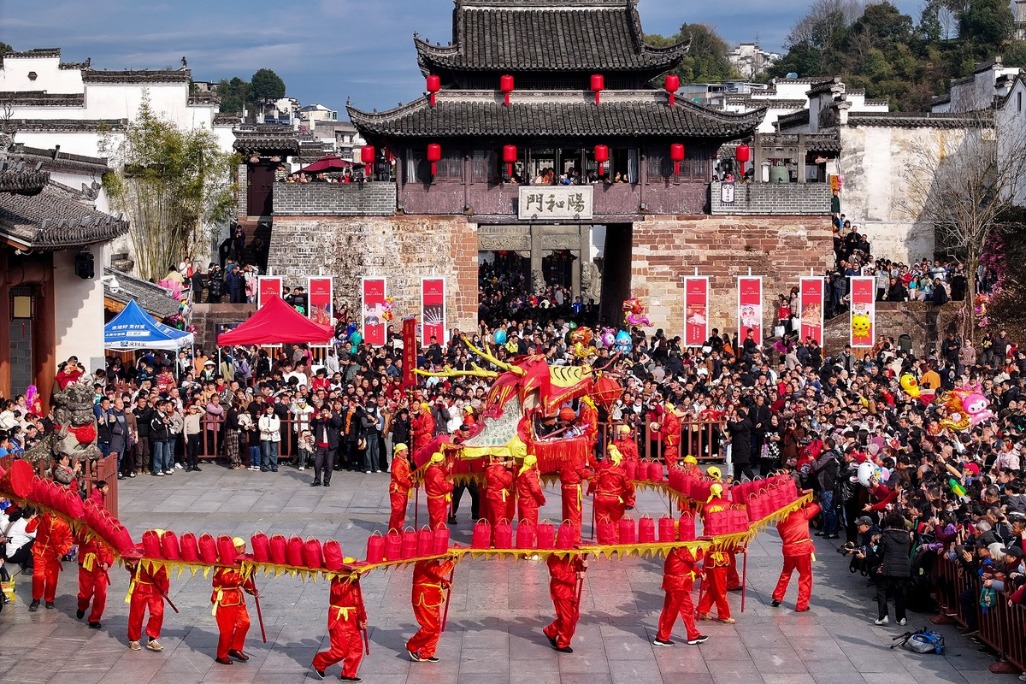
78 308
1011 136
77 142
49 78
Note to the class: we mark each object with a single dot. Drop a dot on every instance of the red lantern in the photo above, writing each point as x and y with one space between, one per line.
743 154
598 84
509 157
506 86
434 155
677 155
367 156
672 85
434 84
601 156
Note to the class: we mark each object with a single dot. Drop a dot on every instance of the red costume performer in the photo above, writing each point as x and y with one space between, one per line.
430 579
146 591
625 443
53 540
798 551
714 586
678 580
230 609
670 431
399 488
438 488
571 475
564 575
589 420
422 427
94 560
498 492
529 491
347 618
733 578
614 493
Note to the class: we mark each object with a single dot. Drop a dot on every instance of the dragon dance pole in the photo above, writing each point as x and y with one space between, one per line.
744 577
448 597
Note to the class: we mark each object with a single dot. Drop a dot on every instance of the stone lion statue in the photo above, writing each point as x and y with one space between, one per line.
74 426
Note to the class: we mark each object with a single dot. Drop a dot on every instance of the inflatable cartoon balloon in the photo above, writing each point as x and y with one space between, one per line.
910 385
499 336
351 328
608 337
624 343
870 470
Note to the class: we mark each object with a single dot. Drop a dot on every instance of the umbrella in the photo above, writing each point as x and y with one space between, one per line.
328 162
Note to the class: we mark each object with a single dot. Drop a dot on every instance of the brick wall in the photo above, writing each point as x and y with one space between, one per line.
779 248
349 199
207 317
401 248
241 191
774 198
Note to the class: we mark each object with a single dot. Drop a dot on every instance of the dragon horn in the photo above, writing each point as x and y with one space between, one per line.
492 360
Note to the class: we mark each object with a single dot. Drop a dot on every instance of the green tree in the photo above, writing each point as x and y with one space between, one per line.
169 183
5 49
266 86
706 59
233 95
986 24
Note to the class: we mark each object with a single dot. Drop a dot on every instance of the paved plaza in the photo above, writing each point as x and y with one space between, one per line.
498 609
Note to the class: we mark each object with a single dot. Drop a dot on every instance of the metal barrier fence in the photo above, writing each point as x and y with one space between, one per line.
1001 626
105 469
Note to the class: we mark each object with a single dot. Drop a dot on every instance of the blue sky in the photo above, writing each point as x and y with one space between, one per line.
325 50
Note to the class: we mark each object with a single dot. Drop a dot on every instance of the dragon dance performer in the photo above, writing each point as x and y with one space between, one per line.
399 487
798 551
626 444
614 493
230 609
94 560
438 488
669 430
347 618
498 494
146 591
733 578
422 426
53 540
430 580
589 421
564 575
529 491
571 475
714 586
678 580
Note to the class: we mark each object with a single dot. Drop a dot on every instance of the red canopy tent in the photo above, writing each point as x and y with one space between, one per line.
330 162
277 323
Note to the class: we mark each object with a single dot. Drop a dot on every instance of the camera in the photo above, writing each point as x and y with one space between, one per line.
846 549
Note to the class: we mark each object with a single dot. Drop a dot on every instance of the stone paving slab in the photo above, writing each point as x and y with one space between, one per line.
498 609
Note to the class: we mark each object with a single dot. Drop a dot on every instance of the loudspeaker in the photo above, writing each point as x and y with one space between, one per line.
84 265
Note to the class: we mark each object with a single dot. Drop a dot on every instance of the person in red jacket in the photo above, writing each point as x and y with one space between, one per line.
798 551
529 491
430 580
147 590
94 560
669 430
347 618
230 609
614 493
678 580
626 444
717 562
438 488
53 540
399 487
498 493
571 475
589 421
564 575
422 427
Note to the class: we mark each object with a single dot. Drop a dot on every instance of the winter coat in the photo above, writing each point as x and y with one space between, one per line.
893 553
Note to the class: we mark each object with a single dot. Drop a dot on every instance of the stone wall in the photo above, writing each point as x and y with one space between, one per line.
925 323
666 248
207 317
401 248
774 198
320 199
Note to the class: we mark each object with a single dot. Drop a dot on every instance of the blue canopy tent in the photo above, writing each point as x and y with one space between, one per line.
133 328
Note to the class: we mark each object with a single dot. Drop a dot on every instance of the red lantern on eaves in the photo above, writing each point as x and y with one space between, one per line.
509 157
677 156
598 84
434 155
743 154
367 155
672 86
506 86
434 84
601 156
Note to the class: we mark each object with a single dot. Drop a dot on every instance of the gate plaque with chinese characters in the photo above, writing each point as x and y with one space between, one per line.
555 202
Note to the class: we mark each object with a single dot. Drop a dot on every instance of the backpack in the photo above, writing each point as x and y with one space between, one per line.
923 641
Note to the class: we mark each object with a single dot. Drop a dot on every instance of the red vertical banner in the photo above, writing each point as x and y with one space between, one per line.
749 308
863 311
409 352
267 287
432 310
810 309
373 310
320 306
696 310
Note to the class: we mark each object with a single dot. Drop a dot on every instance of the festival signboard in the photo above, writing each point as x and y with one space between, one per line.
372 320
810 308
409 352
432 310
862 314
267 287
320 299
749 308
696 310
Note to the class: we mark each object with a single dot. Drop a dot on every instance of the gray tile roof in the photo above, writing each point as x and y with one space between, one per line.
137 76
556 117
921 119
547 35
285 140
154 299
49 220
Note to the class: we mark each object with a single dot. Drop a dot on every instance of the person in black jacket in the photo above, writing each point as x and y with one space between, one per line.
825 469
740 427
160 433
143 415
325 426
894 567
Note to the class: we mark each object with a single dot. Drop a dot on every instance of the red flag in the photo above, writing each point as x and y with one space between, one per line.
409 352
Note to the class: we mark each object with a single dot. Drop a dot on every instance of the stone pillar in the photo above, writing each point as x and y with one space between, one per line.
537 275
584 262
